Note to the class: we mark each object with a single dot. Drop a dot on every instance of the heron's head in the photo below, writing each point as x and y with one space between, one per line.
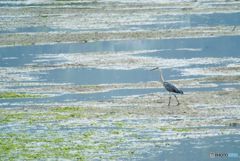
161 76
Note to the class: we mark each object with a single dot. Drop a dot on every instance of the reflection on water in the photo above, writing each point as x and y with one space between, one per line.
182 49
189 21
172 48
215 19
86 76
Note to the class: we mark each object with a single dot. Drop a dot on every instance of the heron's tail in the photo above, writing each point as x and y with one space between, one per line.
180 91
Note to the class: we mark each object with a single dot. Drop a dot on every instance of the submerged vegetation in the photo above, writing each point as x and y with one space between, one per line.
10 95
88 133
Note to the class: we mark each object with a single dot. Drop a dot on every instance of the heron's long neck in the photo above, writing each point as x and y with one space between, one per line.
161 77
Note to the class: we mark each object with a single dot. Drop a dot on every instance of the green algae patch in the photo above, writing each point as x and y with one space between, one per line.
63 113
119 124
11 116
68 109
115 132
164 129
11 95
9 144
88 134
181 130
50 143
24 116
27 146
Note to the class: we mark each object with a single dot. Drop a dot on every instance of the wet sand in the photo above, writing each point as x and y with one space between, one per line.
52 38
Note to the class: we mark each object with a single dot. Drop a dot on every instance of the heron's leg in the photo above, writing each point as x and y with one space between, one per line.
169 99
176 99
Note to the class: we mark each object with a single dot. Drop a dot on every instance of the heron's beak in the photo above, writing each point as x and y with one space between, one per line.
154 68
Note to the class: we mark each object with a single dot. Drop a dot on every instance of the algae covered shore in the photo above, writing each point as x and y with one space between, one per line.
75 80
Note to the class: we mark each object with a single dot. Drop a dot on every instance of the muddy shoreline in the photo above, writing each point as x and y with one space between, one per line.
84 21
52 38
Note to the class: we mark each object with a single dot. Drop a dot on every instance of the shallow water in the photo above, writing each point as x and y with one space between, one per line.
225 48
188 149
188 21
174 48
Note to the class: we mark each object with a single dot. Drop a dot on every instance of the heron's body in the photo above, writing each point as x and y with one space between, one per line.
169 87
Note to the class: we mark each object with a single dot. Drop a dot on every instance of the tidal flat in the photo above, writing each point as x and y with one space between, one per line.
75 79
116 121
128 128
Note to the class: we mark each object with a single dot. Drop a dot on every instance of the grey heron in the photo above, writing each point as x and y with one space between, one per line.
169 87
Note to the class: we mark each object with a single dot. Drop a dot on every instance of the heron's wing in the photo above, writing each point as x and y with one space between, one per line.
171 88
